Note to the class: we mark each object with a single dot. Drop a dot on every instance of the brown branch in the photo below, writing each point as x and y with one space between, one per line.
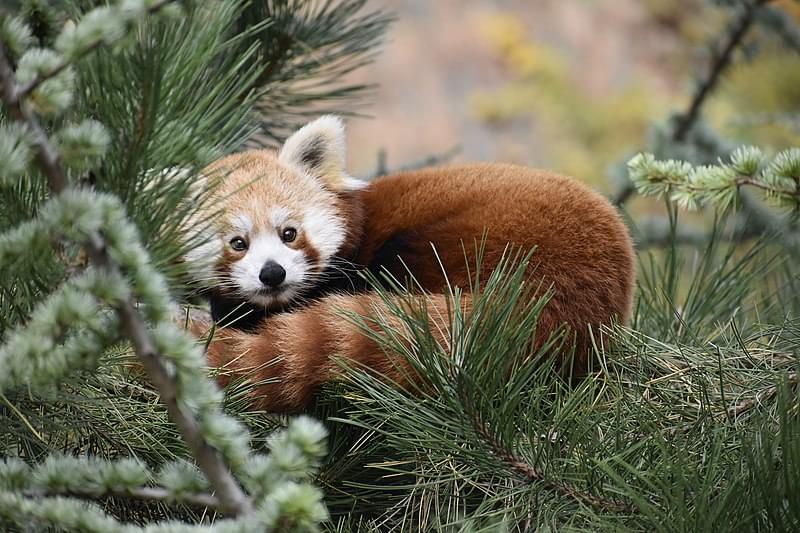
737 30
529 472
738 181
532 475
233 500
429 161
140 493
767 394
749 180
736 33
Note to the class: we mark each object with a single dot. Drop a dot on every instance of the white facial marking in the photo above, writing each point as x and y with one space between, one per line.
242 224
201 260
266 247
325 230
279 216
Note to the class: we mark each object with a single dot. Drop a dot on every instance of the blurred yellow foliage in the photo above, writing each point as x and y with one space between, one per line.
755 96
790 6
581 133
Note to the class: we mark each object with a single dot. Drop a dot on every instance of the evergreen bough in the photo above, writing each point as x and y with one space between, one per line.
718 185
119 296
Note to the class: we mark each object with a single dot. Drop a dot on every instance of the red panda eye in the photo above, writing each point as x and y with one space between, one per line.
238 244
289 234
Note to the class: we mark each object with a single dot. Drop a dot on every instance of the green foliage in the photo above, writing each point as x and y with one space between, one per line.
15 151
719 185
286 499
121 99
307 48
689 413
16 35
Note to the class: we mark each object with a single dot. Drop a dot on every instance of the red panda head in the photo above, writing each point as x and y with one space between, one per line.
285 215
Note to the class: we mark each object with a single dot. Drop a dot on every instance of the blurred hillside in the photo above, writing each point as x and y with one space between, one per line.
566 84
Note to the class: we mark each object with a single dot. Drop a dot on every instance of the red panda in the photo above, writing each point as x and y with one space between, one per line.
296 227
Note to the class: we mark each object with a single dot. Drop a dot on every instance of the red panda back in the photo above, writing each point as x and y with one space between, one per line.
583 249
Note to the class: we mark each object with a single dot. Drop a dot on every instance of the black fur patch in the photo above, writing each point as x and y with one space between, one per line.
387 259
236 313
314 153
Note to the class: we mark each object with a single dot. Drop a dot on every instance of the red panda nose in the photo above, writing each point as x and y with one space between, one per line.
272 274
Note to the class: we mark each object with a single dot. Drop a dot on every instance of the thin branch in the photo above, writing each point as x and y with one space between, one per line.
767 394
721 60
24 90
532 475
231 496
749 180
738 181
140 493
529 472
736 32
429 161
28 88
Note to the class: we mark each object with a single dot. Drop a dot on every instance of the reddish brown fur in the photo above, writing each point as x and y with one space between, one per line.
253 182
293 352
582 247
583 251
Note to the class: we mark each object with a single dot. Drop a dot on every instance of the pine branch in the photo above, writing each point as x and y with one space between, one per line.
737 182
765 395
720 185
307 50
736 33
140 493
28 88
529 472
382 169
231 496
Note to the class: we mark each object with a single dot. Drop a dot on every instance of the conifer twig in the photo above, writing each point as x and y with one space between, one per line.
736 32
767 394
431 160
233 500
198 499
529 472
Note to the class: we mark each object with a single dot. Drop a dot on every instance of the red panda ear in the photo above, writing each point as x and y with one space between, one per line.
318 149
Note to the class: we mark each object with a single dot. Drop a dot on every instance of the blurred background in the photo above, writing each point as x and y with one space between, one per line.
572 85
